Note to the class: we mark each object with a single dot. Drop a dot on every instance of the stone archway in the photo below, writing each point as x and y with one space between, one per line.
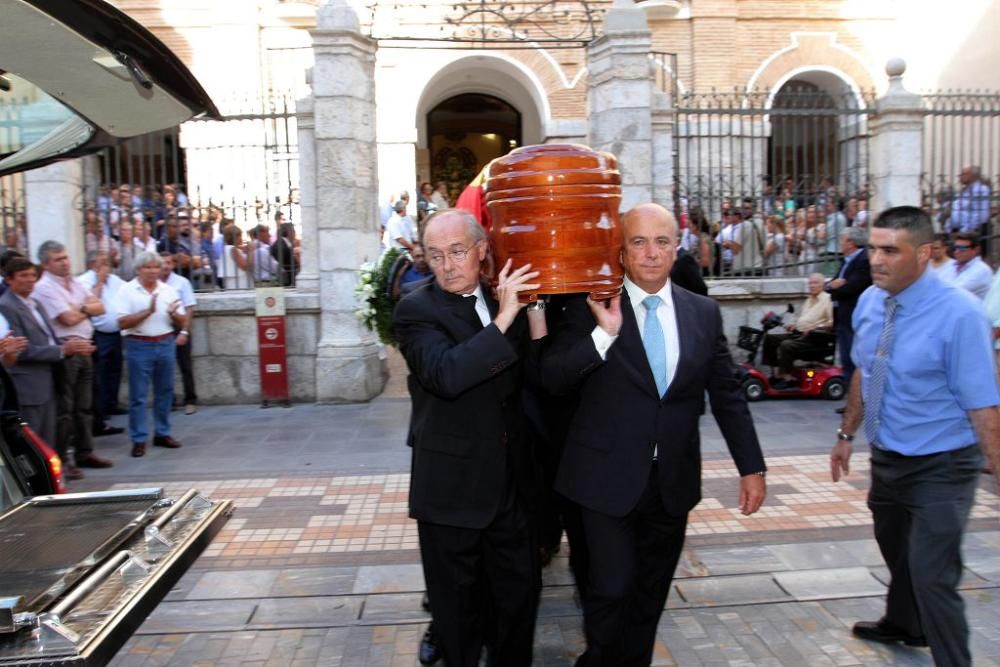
817 136
812 52
465 133
498 83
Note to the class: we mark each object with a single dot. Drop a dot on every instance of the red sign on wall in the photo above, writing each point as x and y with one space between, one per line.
272 350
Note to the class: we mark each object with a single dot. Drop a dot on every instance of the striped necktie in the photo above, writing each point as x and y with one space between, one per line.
879 371
654 343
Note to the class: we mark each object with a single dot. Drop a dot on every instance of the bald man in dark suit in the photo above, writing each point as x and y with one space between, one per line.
641 365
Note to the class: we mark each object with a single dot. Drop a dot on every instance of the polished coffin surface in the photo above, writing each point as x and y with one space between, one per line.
556 207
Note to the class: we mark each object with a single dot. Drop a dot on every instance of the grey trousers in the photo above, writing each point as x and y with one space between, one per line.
920 506
42 420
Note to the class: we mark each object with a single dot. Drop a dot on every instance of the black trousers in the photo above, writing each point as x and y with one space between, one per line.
632 563
187 372
920 506
107 375
783 349
845 339
484 587
75 416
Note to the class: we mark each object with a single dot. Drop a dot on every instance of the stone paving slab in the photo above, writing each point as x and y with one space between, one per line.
833 583
389 578
727 591
199 616
307 612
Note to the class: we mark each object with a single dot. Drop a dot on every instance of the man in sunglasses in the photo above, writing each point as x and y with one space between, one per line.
969 270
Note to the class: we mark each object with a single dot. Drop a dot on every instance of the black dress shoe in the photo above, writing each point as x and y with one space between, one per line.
428 653
93 461
165 441
107 430
138 449
885 632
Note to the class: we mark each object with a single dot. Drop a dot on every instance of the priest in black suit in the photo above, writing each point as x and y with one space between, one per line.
464 351
641 364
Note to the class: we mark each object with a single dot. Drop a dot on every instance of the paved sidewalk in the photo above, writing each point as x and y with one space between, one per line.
319 565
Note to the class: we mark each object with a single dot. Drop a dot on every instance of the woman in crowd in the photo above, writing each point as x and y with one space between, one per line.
236 263
774 250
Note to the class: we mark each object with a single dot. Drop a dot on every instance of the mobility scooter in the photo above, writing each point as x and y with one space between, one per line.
819 378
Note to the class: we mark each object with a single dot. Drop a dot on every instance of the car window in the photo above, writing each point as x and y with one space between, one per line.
34 125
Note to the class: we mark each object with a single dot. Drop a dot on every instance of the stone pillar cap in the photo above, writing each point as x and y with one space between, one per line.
337 15
895 67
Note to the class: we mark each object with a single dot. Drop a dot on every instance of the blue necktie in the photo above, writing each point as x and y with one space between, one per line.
656 346
879 371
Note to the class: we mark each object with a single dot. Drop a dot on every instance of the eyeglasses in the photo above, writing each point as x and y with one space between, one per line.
962 247
456 255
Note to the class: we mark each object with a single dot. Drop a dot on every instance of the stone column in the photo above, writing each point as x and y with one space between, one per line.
663 150
620 98
897 144
308 278
54 208
348 366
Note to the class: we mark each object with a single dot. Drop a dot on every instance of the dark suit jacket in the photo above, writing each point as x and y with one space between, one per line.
687 274
621 417
465 426
288 266
34 372
845 297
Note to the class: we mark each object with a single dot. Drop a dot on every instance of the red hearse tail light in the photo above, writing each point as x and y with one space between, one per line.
52 461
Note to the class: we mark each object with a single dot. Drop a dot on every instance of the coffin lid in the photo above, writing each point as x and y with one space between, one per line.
552 165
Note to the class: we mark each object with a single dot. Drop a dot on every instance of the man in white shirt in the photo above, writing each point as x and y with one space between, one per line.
440 196
183 335
940 261
143 236
399 232
108 339
969 271
265 266
148 310
70 306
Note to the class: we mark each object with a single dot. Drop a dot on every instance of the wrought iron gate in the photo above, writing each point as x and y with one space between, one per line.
796 158
243 168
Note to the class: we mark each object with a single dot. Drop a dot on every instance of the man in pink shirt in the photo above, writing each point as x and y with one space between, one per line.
70 306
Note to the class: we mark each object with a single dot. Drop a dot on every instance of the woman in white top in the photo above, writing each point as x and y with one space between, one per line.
810 241
236 263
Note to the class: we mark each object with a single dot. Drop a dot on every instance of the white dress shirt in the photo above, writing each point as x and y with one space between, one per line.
668 323
108 322
975 276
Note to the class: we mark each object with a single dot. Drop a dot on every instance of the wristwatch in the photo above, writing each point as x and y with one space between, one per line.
537 305
844 435
183 332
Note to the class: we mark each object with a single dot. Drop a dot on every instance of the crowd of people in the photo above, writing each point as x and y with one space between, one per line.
794 229
208 247
64 339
